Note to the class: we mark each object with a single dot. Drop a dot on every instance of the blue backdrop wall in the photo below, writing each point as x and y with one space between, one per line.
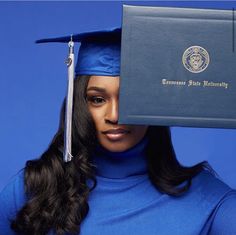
33 82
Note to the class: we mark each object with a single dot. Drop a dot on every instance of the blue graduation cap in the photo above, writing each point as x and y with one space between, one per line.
99 54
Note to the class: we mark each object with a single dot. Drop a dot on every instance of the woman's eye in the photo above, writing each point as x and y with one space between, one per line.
96 100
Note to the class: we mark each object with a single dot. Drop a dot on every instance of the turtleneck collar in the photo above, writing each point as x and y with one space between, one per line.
118 165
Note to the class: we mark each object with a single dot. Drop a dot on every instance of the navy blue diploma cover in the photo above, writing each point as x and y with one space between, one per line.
178 67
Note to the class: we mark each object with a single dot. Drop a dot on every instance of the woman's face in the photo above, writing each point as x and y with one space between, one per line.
103 104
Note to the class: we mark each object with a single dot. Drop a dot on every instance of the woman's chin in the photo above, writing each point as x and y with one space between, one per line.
116 146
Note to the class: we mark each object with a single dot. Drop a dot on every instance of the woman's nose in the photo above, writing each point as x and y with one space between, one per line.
112 112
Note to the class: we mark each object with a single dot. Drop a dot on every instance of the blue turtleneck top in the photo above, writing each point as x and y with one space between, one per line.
125 202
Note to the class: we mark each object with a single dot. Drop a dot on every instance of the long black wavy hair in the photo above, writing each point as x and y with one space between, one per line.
57 192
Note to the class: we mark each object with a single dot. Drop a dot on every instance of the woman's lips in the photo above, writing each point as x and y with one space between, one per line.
115 134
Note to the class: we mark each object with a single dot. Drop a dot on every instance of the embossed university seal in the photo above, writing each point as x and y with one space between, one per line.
195 59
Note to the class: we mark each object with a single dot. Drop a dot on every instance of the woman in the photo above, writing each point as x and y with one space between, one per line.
122 179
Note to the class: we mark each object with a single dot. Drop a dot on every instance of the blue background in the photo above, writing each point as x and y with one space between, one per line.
33 82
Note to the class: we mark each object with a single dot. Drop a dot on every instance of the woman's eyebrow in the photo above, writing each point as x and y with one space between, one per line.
94 88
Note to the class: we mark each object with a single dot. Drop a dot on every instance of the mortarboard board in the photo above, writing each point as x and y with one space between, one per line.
99 54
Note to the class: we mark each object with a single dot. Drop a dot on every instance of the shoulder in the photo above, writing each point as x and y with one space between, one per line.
220 199
12 198
205 193
14 189
207 183
224 216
